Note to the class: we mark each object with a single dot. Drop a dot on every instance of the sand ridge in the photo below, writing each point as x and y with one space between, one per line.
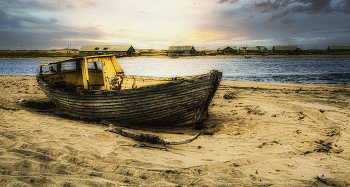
267 134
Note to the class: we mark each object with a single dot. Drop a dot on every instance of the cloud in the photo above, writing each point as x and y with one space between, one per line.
6 21
36 14
18 20
286 21
43 20
265 6
226 1
30 29
44 39
48 24
297 6
311 7
42 5
346 27
251 15
343 6
212 35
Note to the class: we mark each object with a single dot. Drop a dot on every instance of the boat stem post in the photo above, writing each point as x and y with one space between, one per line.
198 125
88 85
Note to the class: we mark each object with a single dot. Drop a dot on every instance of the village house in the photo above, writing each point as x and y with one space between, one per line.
200 50
249 50
262 49
286 49
338 48
181 51
116 50
227 50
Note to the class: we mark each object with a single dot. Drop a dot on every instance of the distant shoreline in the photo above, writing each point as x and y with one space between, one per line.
251 56
206 56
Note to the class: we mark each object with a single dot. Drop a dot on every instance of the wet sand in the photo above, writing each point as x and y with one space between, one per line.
264 134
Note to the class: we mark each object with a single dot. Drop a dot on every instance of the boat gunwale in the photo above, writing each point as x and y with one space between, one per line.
144 88
47 63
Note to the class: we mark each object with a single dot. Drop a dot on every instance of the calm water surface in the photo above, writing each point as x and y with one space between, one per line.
284 70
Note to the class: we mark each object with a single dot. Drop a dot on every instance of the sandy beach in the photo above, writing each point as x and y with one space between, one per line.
261 134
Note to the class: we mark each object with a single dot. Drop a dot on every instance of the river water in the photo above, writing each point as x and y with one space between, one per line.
283 70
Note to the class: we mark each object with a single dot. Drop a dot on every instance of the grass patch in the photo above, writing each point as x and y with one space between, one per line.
153 52
33 54
9 108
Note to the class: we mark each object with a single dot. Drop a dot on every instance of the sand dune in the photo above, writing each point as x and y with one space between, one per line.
266 134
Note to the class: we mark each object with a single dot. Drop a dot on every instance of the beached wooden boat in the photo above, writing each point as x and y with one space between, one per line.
96 87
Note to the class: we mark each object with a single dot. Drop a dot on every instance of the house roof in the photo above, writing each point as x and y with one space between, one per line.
339 47
225 47
262 47
252 49
200 48
180 48
105 48
284 48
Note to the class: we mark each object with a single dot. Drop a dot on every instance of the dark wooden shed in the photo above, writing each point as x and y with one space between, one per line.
285 49
200 50
338 48
227 50
181 51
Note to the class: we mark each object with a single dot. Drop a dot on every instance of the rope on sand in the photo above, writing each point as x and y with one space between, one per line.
150 138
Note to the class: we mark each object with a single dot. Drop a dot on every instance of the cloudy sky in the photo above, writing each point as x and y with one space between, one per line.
158 24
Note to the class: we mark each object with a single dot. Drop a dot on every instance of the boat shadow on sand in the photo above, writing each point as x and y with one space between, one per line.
45 107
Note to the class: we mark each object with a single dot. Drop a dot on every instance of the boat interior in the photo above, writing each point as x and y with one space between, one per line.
92 73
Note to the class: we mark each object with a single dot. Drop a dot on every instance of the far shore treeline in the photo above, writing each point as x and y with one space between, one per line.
157 53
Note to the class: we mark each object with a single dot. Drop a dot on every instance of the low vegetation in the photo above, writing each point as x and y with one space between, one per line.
9 108
38 54
152 52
